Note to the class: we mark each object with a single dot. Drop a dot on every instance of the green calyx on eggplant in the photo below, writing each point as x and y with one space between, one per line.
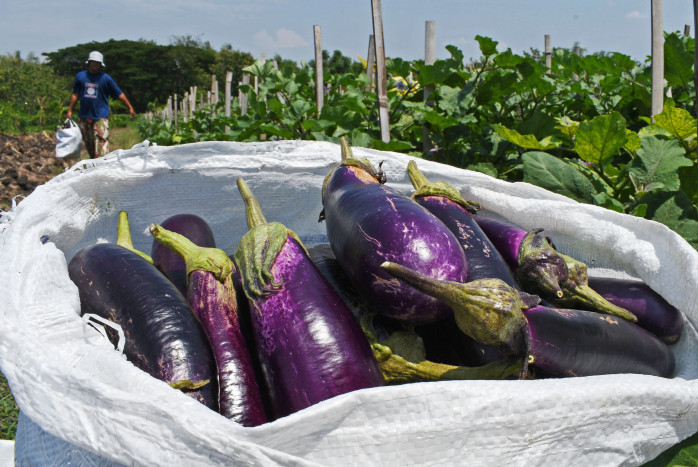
213 260
488 310
560 278
259 247
578 294
426 188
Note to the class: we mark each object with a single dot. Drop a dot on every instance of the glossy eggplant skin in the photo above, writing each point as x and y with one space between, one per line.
215 305
163 337
506 238
310 346
564 342
653 312
168 262
368 223
484 259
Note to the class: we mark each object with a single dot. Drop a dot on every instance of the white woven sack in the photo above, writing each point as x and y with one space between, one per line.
71 382
68 139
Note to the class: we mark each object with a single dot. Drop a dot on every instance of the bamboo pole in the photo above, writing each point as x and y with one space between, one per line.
548 53
381 75
228 96
243 96
657 58
319 83
168 110
371 62
176 111
695 54
429 59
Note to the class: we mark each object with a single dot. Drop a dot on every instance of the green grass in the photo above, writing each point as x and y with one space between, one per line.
8 411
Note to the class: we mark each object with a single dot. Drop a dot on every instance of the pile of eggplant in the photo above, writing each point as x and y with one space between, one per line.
408 289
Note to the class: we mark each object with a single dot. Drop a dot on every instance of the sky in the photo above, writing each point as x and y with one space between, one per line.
285 27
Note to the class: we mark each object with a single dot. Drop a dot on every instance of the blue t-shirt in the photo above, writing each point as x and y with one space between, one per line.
94 92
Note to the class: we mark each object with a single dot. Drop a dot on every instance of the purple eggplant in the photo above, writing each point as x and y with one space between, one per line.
195 229
309 344
558 342
542 270
211 294
369 223
399 350
163 338
446 203
653 312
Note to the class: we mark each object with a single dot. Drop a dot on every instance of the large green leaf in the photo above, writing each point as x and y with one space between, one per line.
600 139
678 61
525 141
488 46
678 122
558 176
656 164
675 210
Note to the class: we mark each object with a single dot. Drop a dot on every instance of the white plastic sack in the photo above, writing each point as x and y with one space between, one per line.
68 139
72 383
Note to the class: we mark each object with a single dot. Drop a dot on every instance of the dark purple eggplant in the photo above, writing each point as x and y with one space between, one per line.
369 223
446 203
398 348
163 338
542 270
653 312
559 342
195 229
211 294
309 344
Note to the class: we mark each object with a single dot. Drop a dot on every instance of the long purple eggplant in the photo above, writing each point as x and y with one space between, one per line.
163 338
369 223
653 312
558 342
211 294
310 346
399 350
195 229
446 203
542 270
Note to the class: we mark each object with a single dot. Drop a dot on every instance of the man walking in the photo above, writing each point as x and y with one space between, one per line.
93 87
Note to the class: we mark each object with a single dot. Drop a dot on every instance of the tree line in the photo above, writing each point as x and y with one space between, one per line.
34 93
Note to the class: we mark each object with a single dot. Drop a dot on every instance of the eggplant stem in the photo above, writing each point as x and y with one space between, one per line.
196 258
347 153
425 188
123 236
398 370
253 210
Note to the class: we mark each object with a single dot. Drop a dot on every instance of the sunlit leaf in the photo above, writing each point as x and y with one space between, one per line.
525 141
599 140
678 122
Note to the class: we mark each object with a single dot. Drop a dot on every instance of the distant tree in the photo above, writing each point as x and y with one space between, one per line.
337 63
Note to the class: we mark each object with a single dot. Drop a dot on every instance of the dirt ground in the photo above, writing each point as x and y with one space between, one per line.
27 161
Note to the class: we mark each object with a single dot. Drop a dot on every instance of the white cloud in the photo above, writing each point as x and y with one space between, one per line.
283 39
636 15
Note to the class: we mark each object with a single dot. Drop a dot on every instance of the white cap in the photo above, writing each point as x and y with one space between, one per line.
95 57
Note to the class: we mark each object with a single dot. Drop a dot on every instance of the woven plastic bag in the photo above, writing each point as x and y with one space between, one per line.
68 139
72 383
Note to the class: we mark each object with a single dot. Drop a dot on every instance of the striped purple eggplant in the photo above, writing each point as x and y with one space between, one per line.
195 229
653 312
446 203
309 344
542 270
557 342
368 223
211 294
163 338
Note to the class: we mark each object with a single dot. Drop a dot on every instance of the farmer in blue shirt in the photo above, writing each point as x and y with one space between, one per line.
92 88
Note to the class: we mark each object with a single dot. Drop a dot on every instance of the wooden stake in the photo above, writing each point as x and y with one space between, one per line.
381 74
371 62
657 58
548 53
243 96
319 83
429 59
228 96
